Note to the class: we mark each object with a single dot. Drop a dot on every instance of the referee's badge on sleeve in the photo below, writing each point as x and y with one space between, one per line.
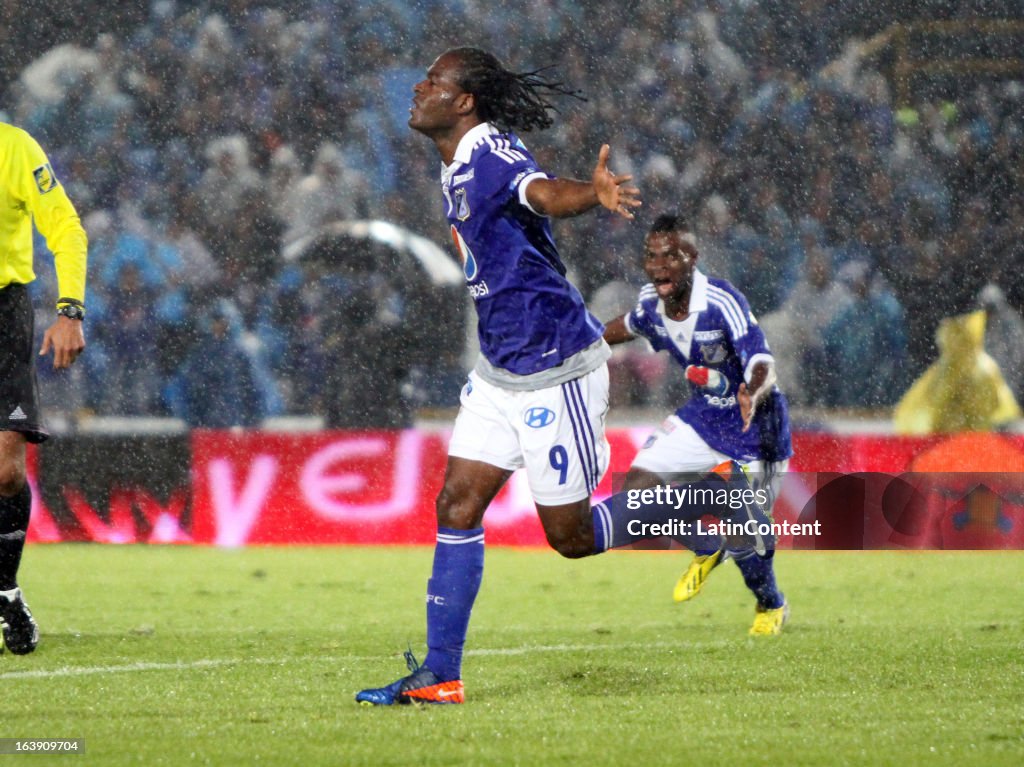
45 178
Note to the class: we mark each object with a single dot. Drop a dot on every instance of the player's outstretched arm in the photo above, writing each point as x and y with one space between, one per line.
564 197
615 331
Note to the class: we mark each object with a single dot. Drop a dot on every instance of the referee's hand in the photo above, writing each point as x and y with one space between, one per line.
67 340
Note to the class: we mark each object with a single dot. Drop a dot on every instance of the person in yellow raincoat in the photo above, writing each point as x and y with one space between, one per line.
963 390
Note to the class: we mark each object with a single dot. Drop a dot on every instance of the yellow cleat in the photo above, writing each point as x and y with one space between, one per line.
769 623
689 584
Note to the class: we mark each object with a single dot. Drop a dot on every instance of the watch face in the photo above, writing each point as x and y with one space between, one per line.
72 312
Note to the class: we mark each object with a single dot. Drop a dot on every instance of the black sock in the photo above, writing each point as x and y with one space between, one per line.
14 514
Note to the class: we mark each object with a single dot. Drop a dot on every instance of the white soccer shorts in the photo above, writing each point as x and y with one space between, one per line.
676 448
557 433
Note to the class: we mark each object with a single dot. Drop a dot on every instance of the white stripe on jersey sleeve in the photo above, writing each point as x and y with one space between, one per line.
647 292
512 152
503 149
753 361
525 182
731 310
628 323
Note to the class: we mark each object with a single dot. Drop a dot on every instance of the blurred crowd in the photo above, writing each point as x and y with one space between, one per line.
200 141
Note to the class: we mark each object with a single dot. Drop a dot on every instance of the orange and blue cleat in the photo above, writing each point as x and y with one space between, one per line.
421 686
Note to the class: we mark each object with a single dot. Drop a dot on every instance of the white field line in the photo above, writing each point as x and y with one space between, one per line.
502 651
210 663
131 667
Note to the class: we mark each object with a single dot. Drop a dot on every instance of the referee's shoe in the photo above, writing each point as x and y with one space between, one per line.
20 632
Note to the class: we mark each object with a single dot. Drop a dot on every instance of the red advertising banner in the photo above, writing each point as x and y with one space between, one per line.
235 489
111 489
345 487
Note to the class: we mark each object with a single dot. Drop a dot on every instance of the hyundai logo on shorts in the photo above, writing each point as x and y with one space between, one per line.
538 417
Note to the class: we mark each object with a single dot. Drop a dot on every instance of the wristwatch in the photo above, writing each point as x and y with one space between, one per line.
72 312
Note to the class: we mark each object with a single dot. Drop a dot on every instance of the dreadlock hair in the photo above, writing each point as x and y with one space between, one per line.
506 99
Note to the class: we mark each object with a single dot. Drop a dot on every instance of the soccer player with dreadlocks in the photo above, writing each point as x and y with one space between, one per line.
538 395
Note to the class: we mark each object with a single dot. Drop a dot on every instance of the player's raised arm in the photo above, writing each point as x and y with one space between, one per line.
762 377
563 197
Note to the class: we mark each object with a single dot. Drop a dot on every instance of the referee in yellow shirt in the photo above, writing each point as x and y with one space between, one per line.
29 192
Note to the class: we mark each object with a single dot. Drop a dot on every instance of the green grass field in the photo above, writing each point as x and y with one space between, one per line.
172 656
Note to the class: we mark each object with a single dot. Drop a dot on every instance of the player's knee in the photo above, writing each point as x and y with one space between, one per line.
12 478
571 546
454 511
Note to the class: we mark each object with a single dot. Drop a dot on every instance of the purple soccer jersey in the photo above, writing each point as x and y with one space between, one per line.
726 338
531 318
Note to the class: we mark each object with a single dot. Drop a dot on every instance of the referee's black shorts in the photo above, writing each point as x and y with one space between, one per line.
19 392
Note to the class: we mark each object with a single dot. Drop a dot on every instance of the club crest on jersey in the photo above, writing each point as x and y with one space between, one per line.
461 204
714 353
469 267
45 179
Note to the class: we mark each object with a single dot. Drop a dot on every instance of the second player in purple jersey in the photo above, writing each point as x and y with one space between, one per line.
724 337
735 411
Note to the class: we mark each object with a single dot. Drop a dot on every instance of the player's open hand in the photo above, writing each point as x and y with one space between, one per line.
611 190
66 339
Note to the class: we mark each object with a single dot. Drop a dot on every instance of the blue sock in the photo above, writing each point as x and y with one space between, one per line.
613 530
602 527
451 591
759 575
703 545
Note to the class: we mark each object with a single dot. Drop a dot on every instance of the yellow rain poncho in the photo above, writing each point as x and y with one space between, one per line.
963 391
